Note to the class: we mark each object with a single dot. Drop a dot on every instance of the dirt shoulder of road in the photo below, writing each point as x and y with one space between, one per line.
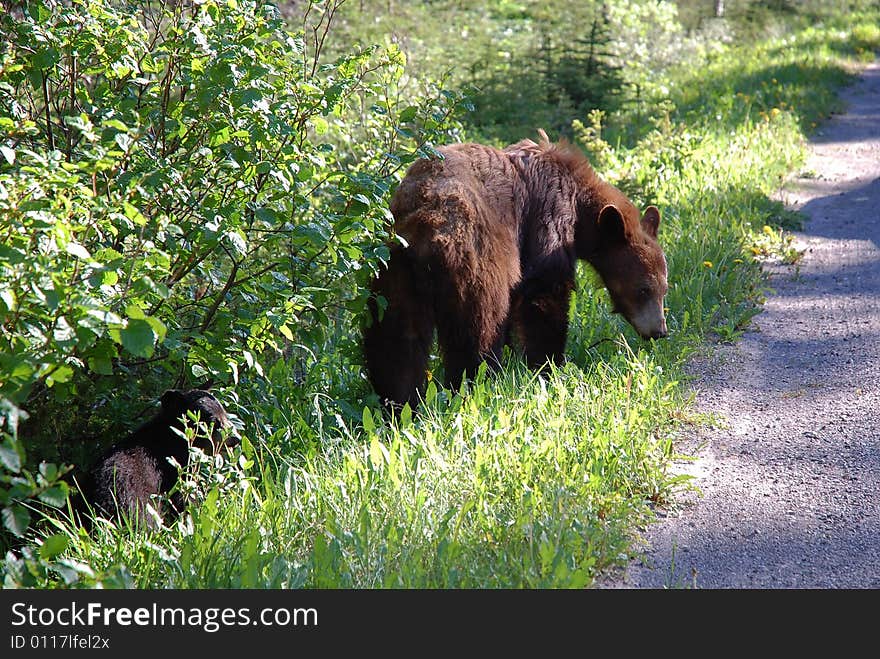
790 474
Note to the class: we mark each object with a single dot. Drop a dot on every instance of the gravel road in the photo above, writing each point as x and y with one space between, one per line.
790 479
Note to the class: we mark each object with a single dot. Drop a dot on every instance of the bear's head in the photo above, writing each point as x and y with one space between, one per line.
632 266
177 404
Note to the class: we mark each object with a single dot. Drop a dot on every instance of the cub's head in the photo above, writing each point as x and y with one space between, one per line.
177 404
632 265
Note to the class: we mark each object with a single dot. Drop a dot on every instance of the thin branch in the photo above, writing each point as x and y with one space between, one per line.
72 93
324 29
140 362
230 282
51 137
256 274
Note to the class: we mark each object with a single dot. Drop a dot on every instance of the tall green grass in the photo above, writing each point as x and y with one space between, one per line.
519 479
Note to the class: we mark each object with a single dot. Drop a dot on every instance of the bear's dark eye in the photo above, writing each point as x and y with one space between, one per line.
644 292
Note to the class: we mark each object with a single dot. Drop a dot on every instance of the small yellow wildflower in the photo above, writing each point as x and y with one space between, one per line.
708 264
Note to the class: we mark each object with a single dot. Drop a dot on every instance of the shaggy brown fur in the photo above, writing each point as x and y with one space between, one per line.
492 237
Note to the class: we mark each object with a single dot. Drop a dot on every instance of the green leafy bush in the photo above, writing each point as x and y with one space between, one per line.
182 198
24 493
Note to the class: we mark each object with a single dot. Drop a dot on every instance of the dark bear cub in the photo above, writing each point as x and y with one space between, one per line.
491 238
123 480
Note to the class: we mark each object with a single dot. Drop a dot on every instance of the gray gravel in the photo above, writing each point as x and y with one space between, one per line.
790 478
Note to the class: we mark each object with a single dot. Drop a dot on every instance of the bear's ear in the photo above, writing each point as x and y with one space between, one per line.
651 221
612 229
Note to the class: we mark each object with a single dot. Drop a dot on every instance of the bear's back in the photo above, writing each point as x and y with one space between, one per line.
472 192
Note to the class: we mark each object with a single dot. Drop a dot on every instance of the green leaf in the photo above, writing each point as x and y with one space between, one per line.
237 242
115 123
52 546
71 568
13 256
138 338
378 453
369 426
100 356
78 250
124 140
159 328
133 214
48 57
320 125
9 456
220 137
55 496
8 298
16 518
409 113
61 374
267 215
49 471
285 330
105 316
101 365
430 392
16 367
405 416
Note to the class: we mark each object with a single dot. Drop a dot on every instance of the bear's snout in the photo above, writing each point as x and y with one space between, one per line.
649 322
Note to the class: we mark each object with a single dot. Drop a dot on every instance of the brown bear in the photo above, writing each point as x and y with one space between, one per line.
124 479
490 239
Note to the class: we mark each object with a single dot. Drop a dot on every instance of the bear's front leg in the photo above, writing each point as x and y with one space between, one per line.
542 320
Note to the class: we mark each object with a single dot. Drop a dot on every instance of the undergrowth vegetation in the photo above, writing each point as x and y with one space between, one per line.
200 191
